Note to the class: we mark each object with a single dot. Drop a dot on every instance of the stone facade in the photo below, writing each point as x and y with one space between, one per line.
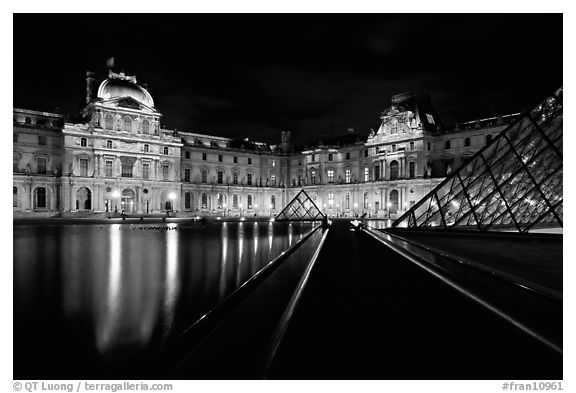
119 158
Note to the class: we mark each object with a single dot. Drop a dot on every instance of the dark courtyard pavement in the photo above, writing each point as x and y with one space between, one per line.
369 313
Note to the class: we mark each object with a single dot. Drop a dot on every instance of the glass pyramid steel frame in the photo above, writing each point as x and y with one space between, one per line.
514 182
300 208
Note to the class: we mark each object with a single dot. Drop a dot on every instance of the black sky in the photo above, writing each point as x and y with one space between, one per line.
254 75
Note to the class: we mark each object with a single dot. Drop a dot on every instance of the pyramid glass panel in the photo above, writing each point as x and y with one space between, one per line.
300 208
513 182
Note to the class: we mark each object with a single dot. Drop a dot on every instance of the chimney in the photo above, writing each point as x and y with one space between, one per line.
89 86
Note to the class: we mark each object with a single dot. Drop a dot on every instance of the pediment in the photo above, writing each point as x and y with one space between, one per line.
128 103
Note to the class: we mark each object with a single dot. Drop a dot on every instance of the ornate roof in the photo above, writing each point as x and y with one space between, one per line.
121 85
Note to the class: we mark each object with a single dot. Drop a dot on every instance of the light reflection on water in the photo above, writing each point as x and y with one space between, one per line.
114 293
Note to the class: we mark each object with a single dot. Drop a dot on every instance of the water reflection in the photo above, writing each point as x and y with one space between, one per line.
117 292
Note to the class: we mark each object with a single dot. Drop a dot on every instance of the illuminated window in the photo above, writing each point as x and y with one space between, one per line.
234 201
347 201
145 170
127 169
83 167
330 173
330 200
273 162
145 127
165 172
109 122
430 118
249 201
273 202
41 161
348 175
273 179
366 174
204 201
365 200
235 178
313 176
128 123
108 168
393 170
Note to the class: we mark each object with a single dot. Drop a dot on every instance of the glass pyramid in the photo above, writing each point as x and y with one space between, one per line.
300 208
514 182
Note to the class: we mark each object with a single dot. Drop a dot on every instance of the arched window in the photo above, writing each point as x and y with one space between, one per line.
220 200
127 124
15 196
187 200
249 202
204 201
109 121
393 170
165 151
40 197
145 127
109 144
83 142
234 201
393 205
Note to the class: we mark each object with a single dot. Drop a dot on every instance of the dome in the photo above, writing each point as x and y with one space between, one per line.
119 85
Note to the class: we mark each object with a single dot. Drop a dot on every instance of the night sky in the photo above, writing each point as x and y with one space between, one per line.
255 75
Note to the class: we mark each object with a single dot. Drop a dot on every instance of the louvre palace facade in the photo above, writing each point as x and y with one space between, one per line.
120 158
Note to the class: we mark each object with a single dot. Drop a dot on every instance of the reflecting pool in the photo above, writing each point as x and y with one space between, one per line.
98 301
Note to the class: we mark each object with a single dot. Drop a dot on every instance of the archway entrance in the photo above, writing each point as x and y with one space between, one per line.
83 199
128 199
394 201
